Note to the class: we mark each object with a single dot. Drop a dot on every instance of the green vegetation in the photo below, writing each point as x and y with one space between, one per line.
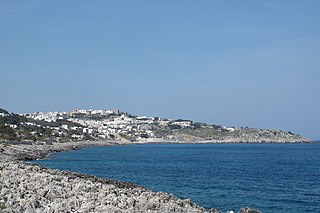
11 128
199 130
3 111
16 127
174 126
6 132
63 122
207 132
2 207
97 117
129 137
161 131
12 119
19 128
180 120
2 204
54 124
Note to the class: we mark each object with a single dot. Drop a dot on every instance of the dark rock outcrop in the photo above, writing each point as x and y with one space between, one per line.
248 210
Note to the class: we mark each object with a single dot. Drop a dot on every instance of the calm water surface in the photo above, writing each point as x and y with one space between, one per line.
269 177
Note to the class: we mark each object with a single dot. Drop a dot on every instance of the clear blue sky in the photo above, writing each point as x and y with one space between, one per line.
234 63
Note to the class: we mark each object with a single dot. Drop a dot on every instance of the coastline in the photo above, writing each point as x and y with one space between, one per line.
33 151
40 150
27 187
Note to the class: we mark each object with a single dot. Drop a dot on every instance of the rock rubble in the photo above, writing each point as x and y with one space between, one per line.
31 188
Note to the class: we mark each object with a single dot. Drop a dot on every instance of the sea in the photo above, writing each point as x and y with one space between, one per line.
273 178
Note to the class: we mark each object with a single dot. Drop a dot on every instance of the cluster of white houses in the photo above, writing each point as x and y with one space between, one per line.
112 124
3 114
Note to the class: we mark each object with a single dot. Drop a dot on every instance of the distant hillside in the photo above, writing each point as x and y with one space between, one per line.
19 127
116 125
4 111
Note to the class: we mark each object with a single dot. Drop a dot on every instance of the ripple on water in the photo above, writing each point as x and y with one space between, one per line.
271 177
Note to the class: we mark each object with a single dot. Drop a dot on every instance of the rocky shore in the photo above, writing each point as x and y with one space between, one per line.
30 188
40 150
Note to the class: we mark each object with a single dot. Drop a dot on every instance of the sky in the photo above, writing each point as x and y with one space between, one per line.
233 63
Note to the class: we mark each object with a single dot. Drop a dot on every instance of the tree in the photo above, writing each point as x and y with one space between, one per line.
3 111
7 132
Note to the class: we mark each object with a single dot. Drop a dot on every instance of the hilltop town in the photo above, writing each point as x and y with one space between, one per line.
79 125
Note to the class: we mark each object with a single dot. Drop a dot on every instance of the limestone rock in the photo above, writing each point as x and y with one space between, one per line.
248 210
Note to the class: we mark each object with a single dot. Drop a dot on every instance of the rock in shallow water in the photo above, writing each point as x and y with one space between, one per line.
248 210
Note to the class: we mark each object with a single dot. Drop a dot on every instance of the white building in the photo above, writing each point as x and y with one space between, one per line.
183 123
64 126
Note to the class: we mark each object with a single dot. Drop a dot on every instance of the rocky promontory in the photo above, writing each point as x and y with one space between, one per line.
95 125
30 188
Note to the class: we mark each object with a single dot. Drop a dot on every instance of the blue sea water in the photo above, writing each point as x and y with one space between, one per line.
270 177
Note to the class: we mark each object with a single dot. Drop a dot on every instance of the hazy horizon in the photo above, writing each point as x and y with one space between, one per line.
232 63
